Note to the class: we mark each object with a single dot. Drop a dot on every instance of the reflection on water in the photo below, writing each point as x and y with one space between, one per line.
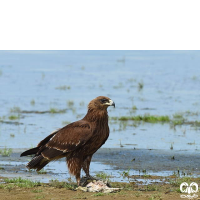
58 171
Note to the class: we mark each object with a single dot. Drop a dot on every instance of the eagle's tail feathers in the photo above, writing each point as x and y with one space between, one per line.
38 162
30 152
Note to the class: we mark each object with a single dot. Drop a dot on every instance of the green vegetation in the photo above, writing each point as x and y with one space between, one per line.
12 135
36 191
177 181
14 117
6 152
177 119
134 108
63 87
15 109
126 174
103 176
70 103
155 197
99 194
55 110
19 182
145 118
32 102
40 197
42 171
69 185
140 85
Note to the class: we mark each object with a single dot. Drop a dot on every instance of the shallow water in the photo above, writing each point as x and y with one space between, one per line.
58 171
171 84
37 81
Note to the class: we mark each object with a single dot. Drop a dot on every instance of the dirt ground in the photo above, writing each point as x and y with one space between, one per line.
62 194
157 191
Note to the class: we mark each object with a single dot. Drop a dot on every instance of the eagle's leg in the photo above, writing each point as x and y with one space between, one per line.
74 166
86 166
78 179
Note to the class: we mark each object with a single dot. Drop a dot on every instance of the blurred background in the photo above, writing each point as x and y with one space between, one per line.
156 95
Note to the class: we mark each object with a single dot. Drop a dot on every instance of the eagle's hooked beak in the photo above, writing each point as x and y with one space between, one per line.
111 103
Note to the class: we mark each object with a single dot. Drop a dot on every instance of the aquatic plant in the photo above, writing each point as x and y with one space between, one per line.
140 85
145 118
103 176
32 102
63 87
13 117
12 135
55 110
42 171
5 152
70 103
15 109
134 108
126 174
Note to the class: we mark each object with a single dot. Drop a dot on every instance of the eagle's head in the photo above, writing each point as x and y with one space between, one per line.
101 103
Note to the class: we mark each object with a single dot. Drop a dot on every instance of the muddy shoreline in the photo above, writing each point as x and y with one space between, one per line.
112 162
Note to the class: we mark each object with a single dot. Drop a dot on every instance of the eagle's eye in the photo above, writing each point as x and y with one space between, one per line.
103 100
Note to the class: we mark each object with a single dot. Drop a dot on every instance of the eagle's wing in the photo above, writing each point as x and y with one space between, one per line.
67 139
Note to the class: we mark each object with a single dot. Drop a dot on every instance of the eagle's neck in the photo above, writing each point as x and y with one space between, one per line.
97 116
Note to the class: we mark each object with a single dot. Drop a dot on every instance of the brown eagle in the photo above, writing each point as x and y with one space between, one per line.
77 141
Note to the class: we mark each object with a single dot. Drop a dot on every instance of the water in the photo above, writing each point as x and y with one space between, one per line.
171 84
57 171
40 80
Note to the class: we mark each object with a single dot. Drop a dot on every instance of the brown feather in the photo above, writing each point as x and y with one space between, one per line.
77 141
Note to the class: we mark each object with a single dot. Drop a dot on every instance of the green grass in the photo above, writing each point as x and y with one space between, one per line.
32 102
103 176
140 85
68 185
19 182
55 110
15 109
40 197
63 87
145 118
99 194
14 117
42 171
177 181
6 152
36 191
134 108
70 103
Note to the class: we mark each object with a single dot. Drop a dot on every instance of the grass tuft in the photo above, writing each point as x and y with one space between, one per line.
13 117
145 118
6 152
19 182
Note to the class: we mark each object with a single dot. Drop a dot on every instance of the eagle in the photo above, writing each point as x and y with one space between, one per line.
77 141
